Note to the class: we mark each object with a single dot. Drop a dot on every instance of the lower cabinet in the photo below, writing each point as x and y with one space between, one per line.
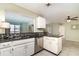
18 50
47 44
6 52
25 49
53 44
29 49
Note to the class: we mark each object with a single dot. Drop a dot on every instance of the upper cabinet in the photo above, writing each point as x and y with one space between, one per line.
40 22
4 25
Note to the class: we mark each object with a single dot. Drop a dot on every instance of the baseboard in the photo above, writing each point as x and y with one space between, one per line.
37 52
48 51
53 53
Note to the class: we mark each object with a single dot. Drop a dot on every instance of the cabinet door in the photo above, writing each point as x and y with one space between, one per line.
18 50
6 52
47 43
40 20
54 46
29 48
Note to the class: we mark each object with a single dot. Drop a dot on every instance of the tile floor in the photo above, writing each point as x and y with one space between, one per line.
70 48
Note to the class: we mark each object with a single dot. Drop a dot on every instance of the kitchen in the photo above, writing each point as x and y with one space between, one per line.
26 33
22 35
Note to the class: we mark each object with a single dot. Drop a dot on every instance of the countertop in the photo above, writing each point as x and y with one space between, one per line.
8 40
57 36
14 37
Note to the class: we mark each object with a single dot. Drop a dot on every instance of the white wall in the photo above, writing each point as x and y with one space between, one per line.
53 28
2 18
72 35
49 28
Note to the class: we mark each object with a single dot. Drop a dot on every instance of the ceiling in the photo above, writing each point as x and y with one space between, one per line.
56 12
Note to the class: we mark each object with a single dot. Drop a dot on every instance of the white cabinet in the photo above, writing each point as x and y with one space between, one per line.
18 50
6 52
53 44
24 50
40 22
5 49
47 43
23 47
29 49
26 47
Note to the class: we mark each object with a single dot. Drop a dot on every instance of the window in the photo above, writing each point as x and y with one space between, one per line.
14 28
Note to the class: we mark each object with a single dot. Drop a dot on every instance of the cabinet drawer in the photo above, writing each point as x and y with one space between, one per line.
51 39
31 43
24 41
6 44
6 52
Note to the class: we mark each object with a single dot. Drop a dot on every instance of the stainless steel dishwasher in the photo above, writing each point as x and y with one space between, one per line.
38 44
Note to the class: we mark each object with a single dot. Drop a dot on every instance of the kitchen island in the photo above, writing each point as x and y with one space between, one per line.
53 44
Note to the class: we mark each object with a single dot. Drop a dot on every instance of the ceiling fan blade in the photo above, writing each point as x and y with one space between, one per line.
48 4
75 17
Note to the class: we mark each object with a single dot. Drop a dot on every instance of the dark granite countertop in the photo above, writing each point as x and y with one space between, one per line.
53 35
19 36
8 40
57 36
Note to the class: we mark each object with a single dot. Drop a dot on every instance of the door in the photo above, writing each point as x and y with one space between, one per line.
18 50
6 52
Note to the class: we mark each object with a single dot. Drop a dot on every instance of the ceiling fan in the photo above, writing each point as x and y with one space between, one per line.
71 18
48 4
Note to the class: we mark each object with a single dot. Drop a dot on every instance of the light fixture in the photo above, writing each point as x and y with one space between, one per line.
48 4
74 27
68 21
4 24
